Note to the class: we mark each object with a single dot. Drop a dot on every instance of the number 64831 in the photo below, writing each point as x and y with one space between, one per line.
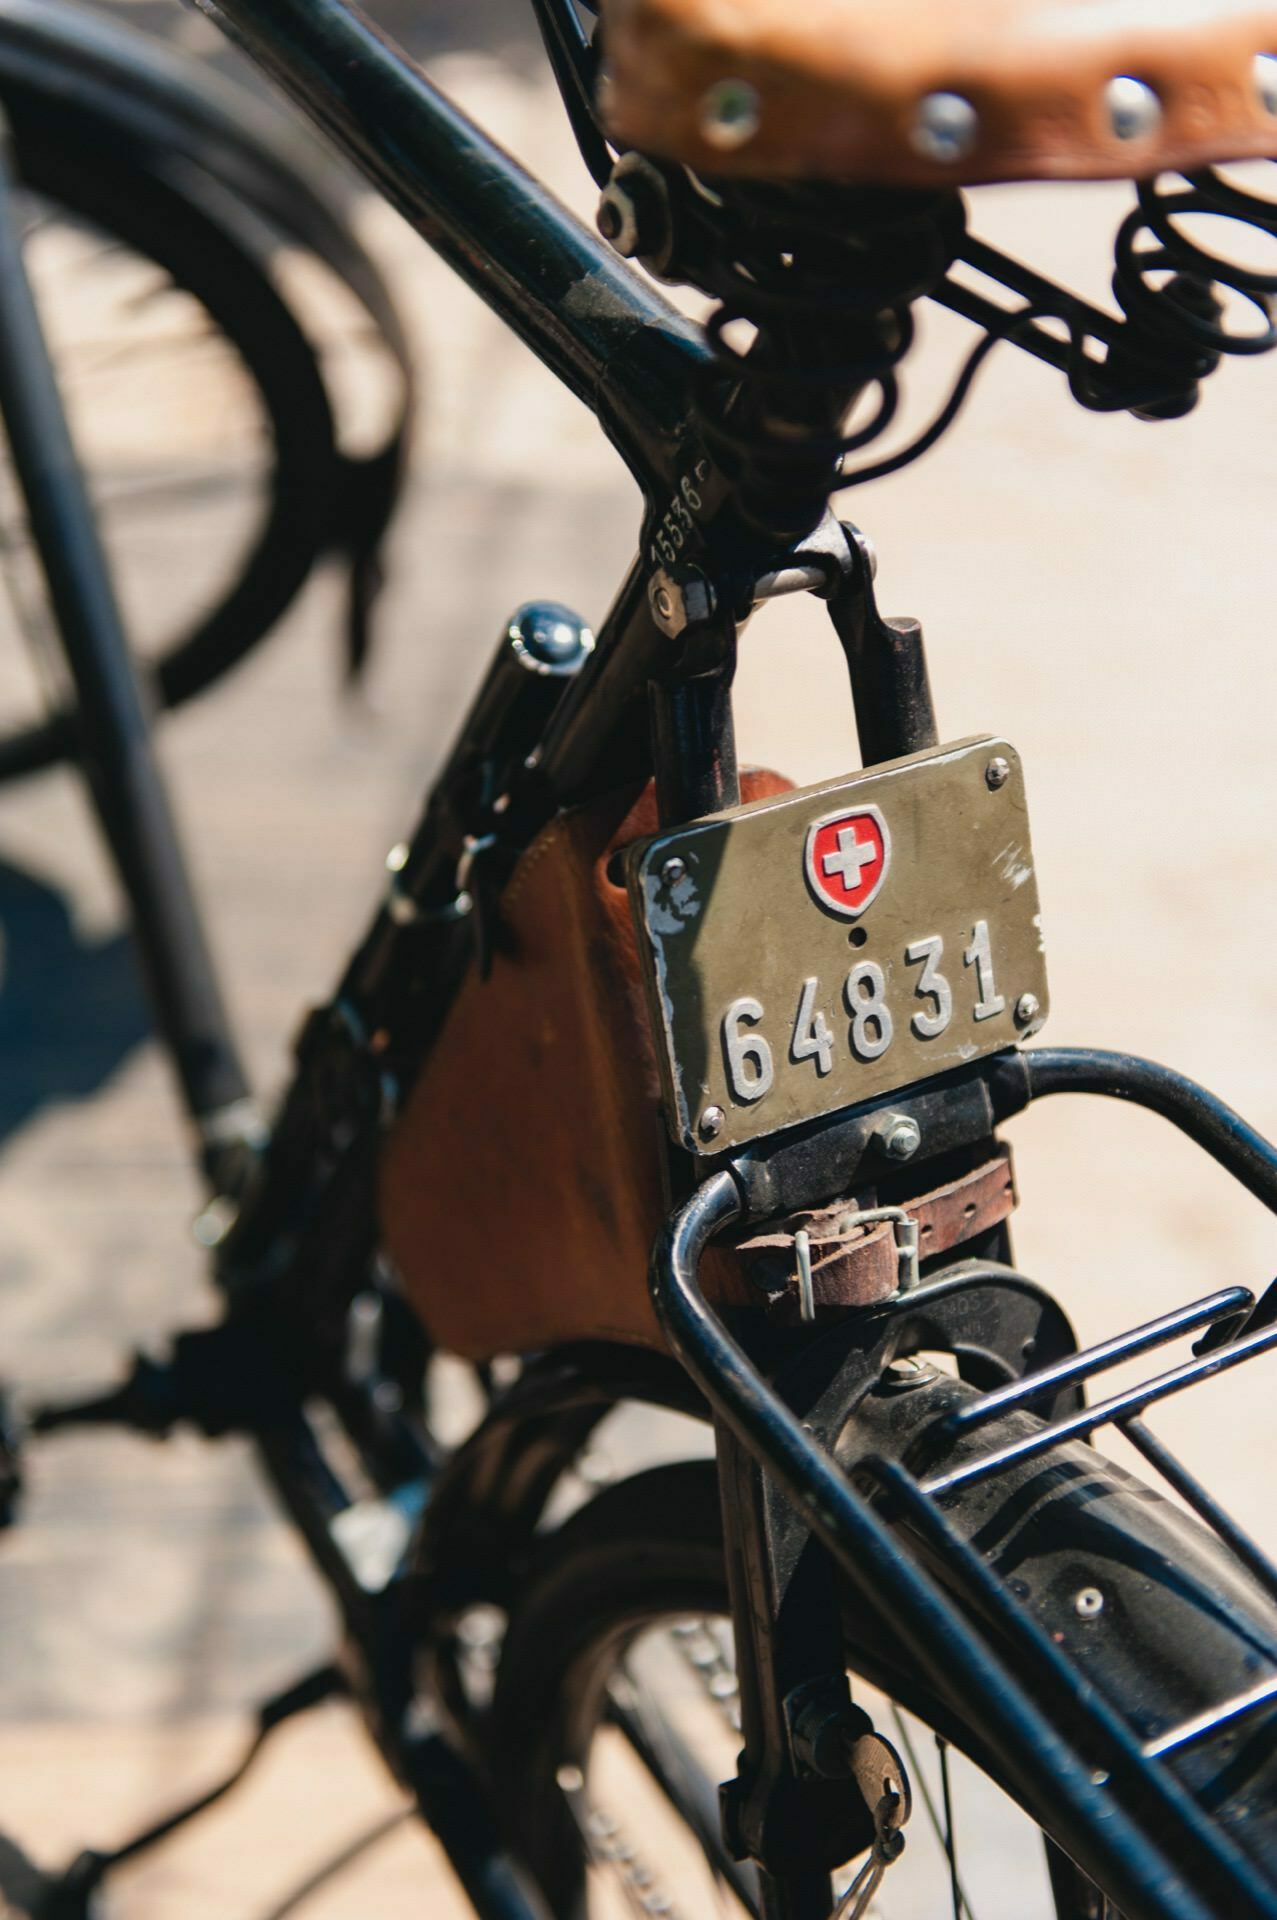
872 1024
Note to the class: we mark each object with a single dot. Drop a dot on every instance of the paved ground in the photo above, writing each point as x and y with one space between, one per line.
1099 590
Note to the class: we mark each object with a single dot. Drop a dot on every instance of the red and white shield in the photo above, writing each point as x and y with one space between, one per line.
846 859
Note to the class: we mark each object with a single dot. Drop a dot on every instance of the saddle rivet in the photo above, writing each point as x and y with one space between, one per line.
730 114
1264 70
1027 1008
1134 109
672 871
712 1123
945 128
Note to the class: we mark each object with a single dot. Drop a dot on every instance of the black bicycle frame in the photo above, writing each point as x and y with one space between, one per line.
635 362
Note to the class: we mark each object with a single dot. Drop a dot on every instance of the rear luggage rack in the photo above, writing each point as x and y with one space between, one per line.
1152 1844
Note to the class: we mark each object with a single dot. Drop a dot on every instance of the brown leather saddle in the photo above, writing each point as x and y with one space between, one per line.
931 92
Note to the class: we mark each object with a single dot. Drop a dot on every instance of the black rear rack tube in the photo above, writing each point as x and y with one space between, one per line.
1208 1121
1096 1830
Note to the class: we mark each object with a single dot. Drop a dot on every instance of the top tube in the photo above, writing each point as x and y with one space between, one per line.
600 328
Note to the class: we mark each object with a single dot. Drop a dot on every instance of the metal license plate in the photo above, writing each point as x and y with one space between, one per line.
814 950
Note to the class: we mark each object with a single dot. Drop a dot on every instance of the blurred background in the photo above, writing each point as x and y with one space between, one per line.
1099 590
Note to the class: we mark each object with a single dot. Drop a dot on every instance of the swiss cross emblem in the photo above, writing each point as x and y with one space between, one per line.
847 857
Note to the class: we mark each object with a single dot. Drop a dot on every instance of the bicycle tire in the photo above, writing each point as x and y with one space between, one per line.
649 1548
162 221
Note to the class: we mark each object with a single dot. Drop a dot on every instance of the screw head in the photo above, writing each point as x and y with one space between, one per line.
1134 110
945 128
672 871
730 115
997 773
899 1136
712 1122
1088 1602
1027 1008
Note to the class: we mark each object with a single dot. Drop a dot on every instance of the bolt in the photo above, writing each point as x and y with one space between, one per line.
907 1372
617 220
679 604
997 773
1027 1009
1088 1602
713 1120
672 871
1134 109
945 128
898 1136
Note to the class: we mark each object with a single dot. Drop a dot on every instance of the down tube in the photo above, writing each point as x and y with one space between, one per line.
599 327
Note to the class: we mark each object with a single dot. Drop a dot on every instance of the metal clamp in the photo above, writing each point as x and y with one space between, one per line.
906 1238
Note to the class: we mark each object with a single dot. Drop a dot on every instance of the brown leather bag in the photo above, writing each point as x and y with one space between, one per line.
521 1186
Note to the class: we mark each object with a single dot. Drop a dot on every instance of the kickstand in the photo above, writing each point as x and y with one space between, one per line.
71 1896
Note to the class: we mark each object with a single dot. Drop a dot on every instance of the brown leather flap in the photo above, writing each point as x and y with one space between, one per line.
847 89
521 1185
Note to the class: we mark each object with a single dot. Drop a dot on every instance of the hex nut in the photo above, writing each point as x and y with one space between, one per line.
679 604
898 1136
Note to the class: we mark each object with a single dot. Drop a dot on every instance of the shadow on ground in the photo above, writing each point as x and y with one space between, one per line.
71 1011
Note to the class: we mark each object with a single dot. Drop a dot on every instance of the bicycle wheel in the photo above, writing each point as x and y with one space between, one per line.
201 416
600 1621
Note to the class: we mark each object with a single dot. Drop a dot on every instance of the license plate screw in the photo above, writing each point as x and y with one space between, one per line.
711 1124
1027 1008
898 1136
672 871
997 773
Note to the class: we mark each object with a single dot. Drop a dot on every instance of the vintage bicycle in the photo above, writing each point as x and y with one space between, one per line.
741 1052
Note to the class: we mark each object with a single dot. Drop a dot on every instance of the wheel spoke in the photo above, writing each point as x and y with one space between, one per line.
950 1844
941 1828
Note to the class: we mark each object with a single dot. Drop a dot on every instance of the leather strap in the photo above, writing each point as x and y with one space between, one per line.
866 89
859 1270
